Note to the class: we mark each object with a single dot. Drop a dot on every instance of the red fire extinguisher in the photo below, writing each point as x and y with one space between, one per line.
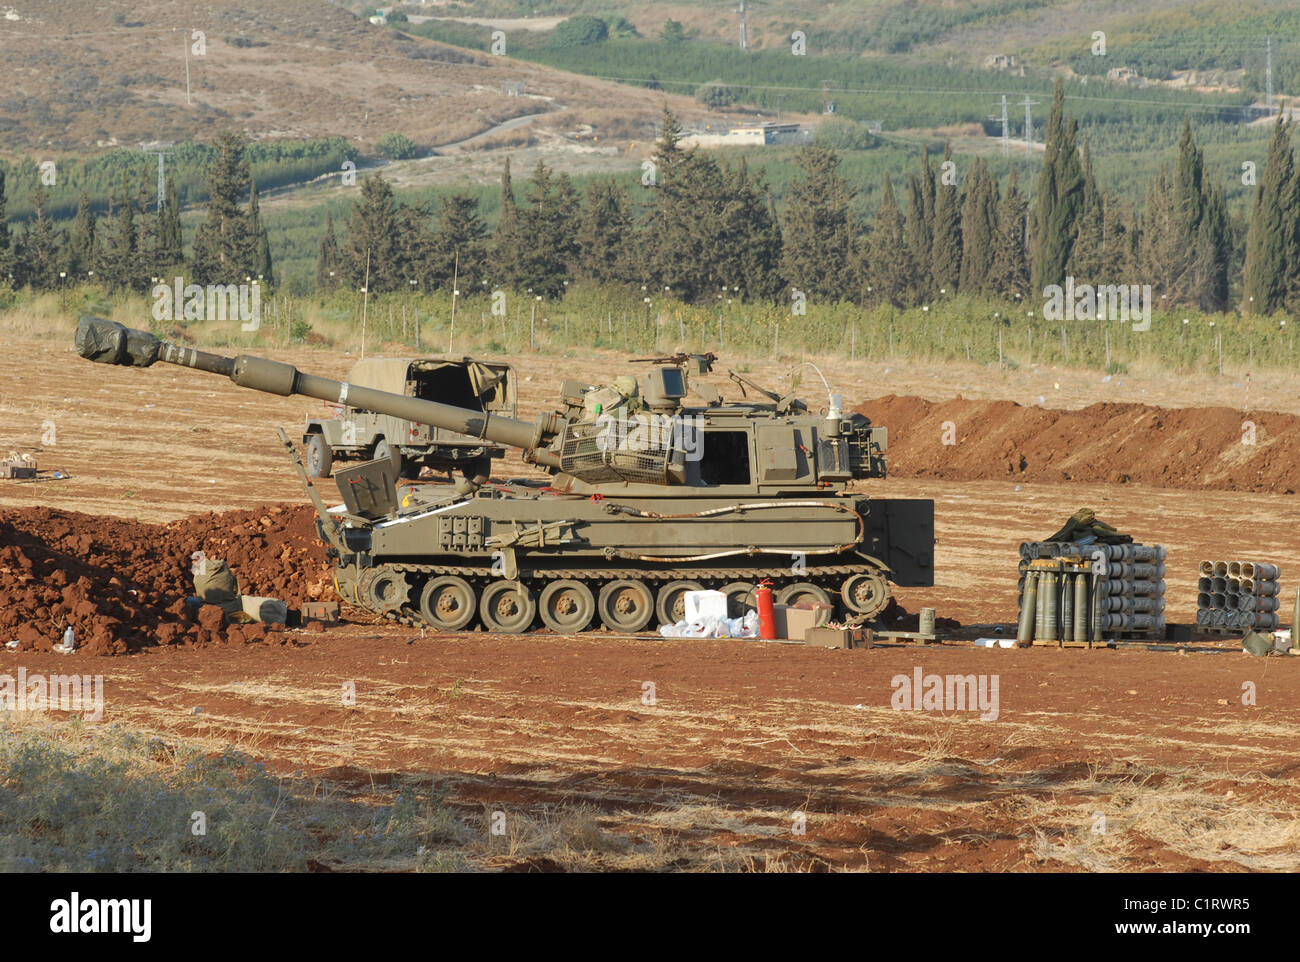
766 613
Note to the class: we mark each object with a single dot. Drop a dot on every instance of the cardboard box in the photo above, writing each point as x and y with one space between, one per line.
793 621
838 637
828 637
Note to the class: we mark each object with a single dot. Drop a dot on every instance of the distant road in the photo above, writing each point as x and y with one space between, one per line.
510 124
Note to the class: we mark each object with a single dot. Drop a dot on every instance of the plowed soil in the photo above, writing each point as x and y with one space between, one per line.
689 754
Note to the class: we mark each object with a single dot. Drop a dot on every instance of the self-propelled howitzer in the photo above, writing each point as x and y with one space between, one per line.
647 497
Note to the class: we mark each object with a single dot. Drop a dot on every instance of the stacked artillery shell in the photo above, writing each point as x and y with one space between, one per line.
1078 593
1238 595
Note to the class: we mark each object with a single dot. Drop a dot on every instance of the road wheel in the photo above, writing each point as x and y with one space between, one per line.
740 598
625 606
507 606
802 593
671 603
447 603
567 606
320 457
865 594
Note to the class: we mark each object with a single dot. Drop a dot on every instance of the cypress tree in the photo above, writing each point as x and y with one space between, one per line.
888 266
817 228
328 275
507 241
979 228
547 240
920 223
81 242
259 256
39 253
691 252
1011 261
458 252
751 234
374 239
7 265
1160 246
1213 252
945 259
1059 198
1087 255
171 252
117 258
606 235
1272 227
223 250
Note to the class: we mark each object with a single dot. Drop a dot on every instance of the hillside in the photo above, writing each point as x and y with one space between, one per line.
82 78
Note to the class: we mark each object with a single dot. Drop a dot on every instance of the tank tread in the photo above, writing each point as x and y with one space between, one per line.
812 572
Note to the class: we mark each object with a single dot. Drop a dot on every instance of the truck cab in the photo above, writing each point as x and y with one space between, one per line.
348 432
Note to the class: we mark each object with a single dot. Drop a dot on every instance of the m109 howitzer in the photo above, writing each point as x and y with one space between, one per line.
648 497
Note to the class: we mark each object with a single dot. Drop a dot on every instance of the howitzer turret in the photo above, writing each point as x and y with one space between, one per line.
648 497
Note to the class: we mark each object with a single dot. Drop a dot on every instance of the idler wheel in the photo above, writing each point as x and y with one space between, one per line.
865 594
567 606
447 603
671 604
625 606
383 589
507 606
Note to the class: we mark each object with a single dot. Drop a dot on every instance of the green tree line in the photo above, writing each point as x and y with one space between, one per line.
706 227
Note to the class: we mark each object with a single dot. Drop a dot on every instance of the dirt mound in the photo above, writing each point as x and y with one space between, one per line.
122 584
964 440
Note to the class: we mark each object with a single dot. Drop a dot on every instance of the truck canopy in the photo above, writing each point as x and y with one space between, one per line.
463 382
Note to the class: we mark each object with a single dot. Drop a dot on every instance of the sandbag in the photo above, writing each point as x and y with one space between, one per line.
216 584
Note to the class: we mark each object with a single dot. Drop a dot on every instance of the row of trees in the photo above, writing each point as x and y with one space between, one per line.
705 228
708 227
129 245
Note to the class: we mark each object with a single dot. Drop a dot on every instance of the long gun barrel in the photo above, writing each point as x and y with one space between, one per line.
108 342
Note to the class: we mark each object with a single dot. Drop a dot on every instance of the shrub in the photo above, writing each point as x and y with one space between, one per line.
580 31
715 94
395 147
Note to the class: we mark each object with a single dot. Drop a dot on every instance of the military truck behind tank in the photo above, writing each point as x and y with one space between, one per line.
355 433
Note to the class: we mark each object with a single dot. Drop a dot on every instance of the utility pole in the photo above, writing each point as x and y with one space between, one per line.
1268 73
744 33
188 101
1029 123
160 151
1006 144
